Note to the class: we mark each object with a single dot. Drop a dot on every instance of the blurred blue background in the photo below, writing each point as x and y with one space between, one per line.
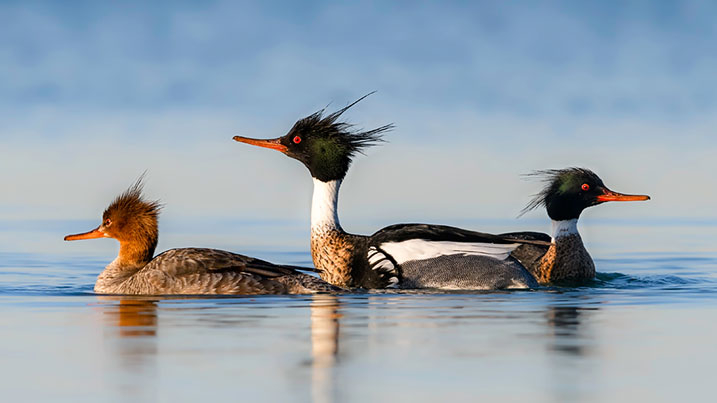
94 93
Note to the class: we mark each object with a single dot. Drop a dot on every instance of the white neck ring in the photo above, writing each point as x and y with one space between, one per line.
324 204
565 228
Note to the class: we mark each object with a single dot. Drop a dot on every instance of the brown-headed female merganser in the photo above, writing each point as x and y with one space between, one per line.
403 255
132 221
566 194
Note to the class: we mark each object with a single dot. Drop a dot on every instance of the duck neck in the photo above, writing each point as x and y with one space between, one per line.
332 249
567 260
133 256
324 206
112 278
565 228
136 253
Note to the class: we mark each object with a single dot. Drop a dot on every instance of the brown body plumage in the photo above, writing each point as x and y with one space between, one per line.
569 256
133 222
332 252
338 257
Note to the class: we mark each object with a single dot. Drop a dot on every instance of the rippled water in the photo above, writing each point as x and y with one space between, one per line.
644 329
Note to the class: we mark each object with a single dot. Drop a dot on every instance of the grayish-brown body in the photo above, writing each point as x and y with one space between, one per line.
193 271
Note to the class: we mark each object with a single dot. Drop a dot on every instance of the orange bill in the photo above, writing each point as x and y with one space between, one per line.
609 195
95 233
274 144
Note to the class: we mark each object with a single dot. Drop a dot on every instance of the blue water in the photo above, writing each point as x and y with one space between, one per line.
643 330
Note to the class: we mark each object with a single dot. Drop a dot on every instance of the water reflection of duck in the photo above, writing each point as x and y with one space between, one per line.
135 317
565 323
404 255
566 194
324 346
132 220
324 329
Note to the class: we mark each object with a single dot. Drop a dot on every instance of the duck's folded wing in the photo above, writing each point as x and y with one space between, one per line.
528 236
529 254
392 246
188 261
211 271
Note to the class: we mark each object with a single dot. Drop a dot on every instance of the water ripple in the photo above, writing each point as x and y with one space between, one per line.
662 276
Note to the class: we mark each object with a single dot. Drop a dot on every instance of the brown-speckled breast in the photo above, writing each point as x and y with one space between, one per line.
566 260
333 251
342 259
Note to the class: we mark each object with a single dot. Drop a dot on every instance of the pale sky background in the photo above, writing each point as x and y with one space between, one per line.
94 93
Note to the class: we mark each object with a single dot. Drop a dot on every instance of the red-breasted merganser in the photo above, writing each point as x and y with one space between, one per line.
566 194
403 255
132 221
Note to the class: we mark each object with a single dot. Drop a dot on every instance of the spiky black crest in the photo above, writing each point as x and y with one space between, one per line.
354 141
131 204
559 181
326 146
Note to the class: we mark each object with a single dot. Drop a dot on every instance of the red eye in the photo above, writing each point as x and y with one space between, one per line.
586 187
297 140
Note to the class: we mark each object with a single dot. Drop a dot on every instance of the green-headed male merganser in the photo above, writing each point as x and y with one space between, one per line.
132 221
403 255
566 194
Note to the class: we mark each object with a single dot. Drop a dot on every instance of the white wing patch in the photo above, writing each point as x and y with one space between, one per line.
421 249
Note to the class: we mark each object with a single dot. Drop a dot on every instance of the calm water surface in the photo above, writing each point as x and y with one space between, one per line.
645 329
